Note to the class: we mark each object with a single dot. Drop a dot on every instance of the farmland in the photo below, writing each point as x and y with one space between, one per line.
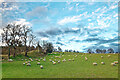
79 68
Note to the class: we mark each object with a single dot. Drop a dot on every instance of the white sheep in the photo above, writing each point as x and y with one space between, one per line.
69 59
10 60
102 63
50 60
108 55
28 64
38 63
86 58
44 59
22 59
113 64
41 67
54 62
95 64
59 61
101 56
23 63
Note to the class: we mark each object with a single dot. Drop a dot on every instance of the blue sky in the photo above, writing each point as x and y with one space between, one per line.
70 25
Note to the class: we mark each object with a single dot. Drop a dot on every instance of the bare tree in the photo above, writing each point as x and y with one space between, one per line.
25 32
6 38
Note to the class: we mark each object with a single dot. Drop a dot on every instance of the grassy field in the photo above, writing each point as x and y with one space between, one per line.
79 68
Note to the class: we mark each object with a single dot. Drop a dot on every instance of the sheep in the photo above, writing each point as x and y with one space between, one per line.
101 56
116 62
64 60
113 64
102 63
44 59
59 61
50 60
10 60
28 64
69 59
108 55
31 60
23 63
41 67
54 62
95 64
38 63
22 59
86 58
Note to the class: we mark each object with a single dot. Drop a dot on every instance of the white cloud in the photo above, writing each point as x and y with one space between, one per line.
23 22
70 8
97 9
89 19
75 28
72 19
45 38
114 6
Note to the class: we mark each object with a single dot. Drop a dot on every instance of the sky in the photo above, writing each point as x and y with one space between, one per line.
70 25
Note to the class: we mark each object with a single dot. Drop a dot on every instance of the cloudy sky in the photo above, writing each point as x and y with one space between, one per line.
70 25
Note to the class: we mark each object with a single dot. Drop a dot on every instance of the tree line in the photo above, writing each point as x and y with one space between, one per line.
20 37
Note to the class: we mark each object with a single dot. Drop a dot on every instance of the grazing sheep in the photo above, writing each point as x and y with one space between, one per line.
101 56
38 63
54 62
59 61
95 64
116 62
64 60
41 67
22 59
86 58
102 63
23 63
69 59
31 60
28 64
44 59
10 60
113 64
50 60
108 55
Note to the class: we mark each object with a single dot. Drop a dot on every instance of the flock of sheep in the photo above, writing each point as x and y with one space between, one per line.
56 59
